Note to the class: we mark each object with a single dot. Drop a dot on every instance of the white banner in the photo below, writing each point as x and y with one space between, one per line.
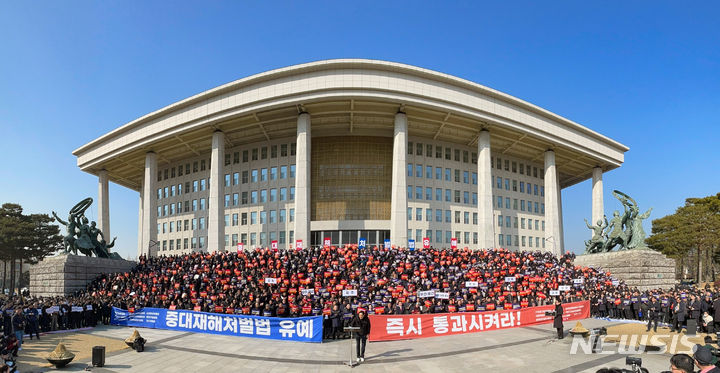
440 295
307 291
471 284
510 279
349 293
270 280
564 287
578 281
76 309
554 292
426 294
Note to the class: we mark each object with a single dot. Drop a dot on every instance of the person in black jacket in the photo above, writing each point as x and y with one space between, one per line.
336 322
361 320
653 313
558 320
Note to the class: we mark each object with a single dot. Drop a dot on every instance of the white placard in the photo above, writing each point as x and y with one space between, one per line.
270 280
578 281
88 307
615 282
349 293
510 279
554 292
53 309
307 291
76 309
564 287
471 284
441 295
426 294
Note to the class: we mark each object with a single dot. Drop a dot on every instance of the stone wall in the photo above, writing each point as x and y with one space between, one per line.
66 274
641 268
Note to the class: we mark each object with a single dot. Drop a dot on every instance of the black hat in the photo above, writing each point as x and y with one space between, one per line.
703 355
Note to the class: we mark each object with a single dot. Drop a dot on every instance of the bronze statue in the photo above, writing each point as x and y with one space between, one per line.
83 237
625 231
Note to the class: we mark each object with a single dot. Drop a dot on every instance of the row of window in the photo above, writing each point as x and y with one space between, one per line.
230 240
516 167
506 240
203 164
235 199
539 206
531 188
261 153
266 217
507 220
418 171
427 150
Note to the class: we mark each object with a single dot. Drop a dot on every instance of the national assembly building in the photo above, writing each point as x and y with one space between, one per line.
349 151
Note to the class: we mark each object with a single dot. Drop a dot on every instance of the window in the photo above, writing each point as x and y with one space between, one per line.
500 220
194 242
293 148
457 155
448 217
447 175
282 216
542 208
537 210
515 222
522 187
243 219
283 194
234 219
203 184
273 151
254 176
283 172
522 169
263 174
283 150
438 173
255 154
418 192
474 178
202 204
194 205
428 172
438 236
273 195
522 205
253 239
438 152
244 198
253 217
202 165
236 178
292 218
292 170
410 148
419 149
234 239
292 193
410 170
507 184
273 173
428 194
281 238
227 200
409 192
263 196
418 170
507 222
466 197
253 197
448 236
514 185
418 214
499 202
448 154
474 199
457 175
438 216
515 204
202 223
466 217
514 167
235 199
466 156
542 191
499 182
499 164
263 217
507 168
475 218
428 150
507 203
438 194
226 220
448 195
535 189
227 180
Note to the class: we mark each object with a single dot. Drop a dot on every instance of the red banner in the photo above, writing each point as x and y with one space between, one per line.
396 327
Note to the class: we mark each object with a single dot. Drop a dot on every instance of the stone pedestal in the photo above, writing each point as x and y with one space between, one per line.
65 274
641 268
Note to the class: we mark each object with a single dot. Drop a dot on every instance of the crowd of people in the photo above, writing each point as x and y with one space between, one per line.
674 307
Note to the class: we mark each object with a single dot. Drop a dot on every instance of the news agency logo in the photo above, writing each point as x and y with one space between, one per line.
632 344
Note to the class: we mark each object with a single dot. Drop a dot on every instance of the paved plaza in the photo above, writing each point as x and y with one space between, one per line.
528 349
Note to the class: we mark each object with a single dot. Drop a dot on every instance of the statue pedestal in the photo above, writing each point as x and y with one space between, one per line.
641 268
65 274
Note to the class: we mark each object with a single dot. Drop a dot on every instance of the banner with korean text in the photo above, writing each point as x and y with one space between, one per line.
301 329
396 327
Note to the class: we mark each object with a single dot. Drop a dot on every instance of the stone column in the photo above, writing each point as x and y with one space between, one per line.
216 205
140 224
103 205
302 180
398 199
486 235
598 208
149 221
553 224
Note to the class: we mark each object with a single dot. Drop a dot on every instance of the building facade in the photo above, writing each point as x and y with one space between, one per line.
347 150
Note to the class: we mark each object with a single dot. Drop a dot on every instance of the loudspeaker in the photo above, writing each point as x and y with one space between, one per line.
691 327
98 356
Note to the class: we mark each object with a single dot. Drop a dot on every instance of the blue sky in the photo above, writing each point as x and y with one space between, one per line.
644 73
